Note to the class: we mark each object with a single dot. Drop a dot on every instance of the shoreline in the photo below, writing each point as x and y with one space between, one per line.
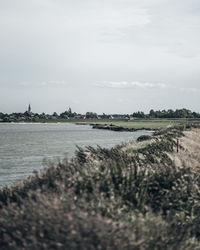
94 126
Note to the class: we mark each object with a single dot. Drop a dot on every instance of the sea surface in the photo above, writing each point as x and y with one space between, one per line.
28 147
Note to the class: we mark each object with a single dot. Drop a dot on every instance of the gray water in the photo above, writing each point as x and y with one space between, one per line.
26 147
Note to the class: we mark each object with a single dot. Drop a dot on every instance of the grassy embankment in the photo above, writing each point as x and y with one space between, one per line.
138 124
134 196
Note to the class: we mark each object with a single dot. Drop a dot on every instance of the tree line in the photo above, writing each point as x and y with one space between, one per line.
178 113
28 115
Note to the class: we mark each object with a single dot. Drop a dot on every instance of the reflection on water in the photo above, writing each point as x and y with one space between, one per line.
23 147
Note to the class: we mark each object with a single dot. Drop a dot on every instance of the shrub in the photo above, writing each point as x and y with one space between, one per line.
144 138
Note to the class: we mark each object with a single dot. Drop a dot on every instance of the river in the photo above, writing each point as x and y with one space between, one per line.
28 147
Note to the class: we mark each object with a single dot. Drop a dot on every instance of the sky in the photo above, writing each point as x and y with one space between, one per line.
111 56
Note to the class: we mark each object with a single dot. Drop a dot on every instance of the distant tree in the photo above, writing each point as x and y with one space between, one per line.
91 115
170 113
195 115
181 113
139 114
104 116
27 114
152 113
178 113
55 114
69 111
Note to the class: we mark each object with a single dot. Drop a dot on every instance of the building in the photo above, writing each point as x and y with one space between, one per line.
29 108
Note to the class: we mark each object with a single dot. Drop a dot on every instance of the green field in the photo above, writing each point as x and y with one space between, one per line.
139 124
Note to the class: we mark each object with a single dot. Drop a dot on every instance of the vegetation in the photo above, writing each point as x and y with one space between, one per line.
67 114
119 198
90 115
178 113
138 124
134 125
29 116
144 138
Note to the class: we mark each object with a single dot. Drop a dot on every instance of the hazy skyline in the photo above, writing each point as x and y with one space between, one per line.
112 56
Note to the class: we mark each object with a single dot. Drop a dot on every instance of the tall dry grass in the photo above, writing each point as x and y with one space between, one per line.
120 198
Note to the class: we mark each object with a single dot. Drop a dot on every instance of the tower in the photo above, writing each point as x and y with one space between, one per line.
29 108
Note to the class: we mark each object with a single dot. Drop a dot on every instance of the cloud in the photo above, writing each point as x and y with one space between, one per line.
82 42
44 84
144 86
128 85
55 83
170 26
189 90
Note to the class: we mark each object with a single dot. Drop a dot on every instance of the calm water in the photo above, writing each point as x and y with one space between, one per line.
25 147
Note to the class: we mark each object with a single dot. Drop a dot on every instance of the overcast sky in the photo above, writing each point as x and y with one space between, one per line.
112 56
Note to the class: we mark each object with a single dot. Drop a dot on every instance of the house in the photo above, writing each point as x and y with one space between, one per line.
79 116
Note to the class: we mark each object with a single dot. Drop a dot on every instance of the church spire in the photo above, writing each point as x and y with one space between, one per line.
29 108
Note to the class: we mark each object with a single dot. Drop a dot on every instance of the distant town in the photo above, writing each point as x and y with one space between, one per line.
29 116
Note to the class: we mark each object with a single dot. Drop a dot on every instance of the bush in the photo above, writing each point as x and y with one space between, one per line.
144 138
